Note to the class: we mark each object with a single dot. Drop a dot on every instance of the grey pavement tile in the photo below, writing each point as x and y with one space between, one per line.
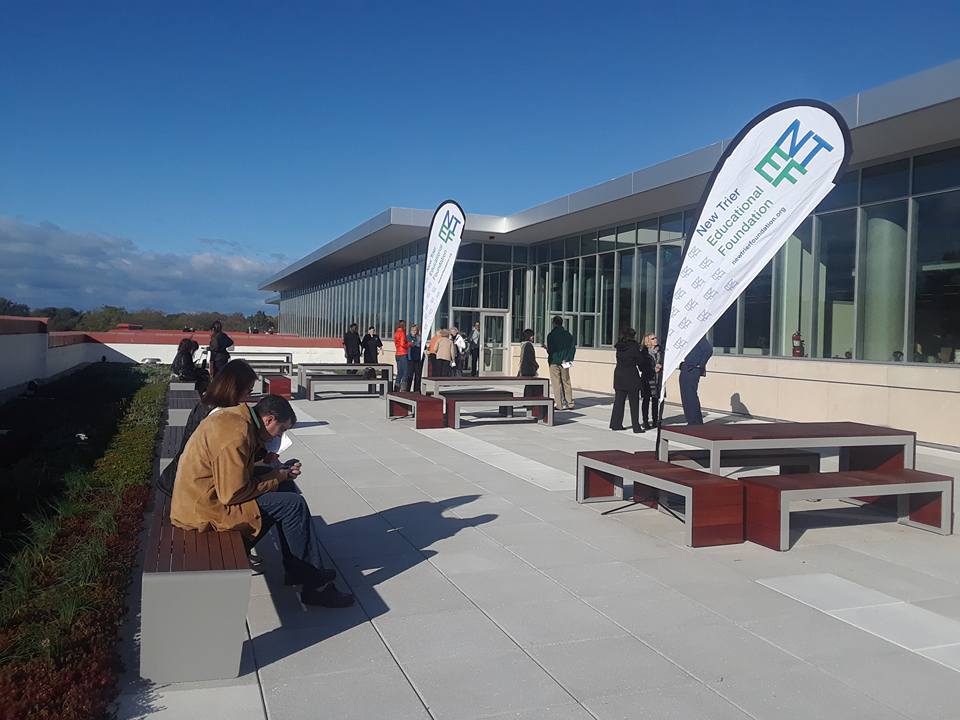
906 625
220 703
283 609
472 687
398 588
946 606
827 592
948 655
389 498
590 580
555 553
533 531
606 666
351 695
435 636
712 651
653 611
899 580
494 587
541 623
903 680
691 701
817 637
800 693
742 600
286 654
476 559
554 712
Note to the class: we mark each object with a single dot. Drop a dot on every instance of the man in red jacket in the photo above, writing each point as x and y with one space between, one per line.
402 346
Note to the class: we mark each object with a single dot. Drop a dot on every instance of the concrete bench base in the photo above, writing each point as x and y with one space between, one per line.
427 411
457 403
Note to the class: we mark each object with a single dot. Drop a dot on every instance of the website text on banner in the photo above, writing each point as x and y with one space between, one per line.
446 231
769 179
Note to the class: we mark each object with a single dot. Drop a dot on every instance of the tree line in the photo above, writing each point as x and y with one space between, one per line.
109 316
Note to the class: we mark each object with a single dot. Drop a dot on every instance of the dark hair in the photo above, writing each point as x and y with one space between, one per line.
217 326
276 406
557 320
353 325
527 334
628 334
401 322
185 347
372 328
194 345
230 384
201 385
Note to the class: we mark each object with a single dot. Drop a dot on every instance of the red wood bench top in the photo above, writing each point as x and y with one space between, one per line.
784 431
647 462
419 397
848 478
173 549
491 395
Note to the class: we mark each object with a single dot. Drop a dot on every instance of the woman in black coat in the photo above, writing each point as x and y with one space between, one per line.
650 379
626 380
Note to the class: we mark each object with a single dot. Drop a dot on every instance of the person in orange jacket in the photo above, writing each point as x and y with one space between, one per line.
401 346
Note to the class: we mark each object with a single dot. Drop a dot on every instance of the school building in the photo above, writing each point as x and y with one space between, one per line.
857 317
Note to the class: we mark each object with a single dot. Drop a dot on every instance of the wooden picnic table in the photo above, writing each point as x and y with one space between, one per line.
304 370
437 385
862 446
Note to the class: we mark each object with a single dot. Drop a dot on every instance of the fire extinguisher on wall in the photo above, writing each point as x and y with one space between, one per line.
798 348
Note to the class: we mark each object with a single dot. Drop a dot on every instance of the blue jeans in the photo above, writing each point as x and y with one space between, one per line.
286 508
402 365
689 386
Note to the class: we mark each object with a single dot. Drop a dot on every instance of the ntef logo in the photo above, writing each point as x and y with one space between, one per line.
781 159
448 228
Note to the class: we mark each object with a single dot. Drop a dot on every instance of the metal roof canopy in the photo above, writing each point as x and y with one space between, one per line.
919 111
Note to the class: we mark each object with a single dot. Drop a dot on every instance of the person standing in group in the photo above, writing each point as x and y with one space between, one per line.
528 363
459 350
631 361
650 381
446 359
475 350
220 342
414 360
351 345
372 346
560 351
694 367
401 349
432 354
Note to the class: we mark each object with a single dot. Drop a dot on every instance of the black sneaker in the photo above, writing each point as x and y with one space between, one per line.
322 578
639 430
327 596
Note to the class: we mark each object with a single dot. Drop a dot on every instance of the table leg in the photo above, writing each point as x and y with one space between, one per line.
875 457
664 453
596 485
714 461
763 520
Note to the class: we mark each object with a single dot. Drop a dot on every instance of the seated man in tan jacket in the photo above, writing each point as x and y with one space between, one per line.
216 489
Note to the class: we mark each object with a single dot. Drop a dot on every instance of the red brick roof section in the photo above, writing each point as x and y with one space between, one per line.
10 325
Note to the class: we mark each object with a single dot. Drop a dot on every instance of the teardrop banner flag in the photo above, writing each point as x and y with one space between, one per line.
768 180
446 231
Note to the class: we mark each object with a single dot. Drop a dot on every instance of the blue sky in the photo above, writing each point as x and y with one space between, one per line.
262 130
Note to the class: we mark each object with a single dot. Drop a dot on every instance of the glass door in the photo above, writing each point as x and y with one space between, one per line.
493 343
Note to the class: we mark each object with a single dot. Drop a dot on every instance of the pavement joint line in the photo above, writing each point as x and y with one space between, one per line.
832 613
253 654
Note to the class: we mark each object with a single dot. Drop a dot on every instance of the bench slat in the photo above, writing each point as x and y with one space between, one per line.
190 556
239 554
216 556
178 550
164 547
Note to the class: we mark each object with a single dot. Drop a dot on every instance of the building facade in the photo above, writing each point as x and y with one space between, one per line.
867 287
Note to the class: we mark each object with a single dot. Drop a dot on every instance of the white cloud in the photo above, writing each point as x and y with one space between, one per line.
43 265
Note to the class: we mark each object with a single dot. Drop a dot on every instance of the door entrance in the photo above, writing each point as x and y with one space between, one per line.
493 343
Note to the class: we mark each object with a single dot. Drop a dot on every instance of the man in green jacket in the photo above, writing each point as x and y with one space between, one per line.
560 351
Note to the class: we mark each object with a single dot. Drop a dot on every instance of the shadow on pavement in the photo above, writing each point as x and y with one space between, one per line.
367 551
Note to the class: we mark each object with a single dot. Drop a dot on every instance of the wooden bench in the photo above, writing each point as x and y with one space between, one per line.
924 500
195 590
713 504
457 401
789 461
426 410
382 383
277 385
